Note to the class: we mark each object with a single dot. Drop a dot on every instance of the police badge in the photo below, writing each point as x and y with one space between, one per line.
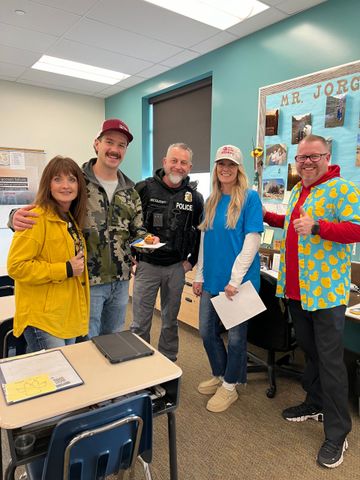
188 197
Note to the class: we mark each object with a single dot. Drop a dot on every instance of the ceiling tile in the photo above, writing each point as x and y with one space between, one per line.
130 36
37 17
272 3
17 56
152 21
180 58
121 41
78 52
18 37
294 6
153 71
8 71
262 20
131 81
214 42
79 6
107 92
52 80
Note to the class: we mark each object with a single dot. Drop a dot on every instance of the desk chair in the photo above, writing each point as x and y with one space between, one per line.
100 442
9 343
272 330
7 286
6 281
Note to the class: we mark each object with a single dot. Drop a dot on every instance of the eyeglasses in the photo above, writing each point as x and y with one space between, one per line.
314 157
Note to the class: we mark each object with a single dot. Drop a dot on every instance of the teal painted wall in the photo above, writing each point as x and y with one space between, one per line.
322 37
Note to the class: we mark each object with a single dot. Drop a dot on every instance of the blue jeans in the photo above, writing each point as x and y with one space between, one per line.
108 305
37 339
231 364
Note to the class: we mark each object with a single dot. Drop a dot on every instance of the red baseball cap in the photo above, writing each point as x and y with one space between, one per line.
118 126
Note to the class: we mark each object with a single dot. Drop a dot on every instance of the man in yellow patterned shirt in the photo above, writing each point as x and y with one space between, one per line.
322 220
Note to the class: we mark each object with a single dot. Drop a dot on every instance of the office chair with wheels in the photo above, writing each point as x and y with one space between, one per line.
272 330
100 442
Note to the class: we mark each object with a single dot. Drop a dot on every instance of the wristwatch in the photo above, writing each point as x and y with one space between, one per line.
315 229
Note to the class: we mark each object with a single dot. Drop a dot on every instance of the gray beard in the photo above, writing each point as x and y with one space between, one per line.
175 179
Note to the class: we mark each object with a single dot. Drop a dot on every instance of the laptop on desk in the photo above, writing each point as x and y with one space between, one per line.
122 346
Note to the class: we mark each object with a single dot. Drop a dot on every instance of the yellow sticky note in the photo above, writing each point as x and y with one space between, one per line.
29 387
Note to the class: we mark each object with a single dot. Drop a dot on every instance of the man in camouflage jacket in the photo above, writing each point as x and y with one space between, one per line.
114 220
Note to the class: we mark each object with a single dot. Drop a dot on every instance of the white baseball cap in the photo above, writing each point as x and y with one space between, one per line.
229 152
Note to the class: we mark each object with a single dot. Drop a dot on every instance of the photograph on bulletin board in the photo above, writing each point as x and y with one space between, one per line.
273 189
335 111
276 154
293 177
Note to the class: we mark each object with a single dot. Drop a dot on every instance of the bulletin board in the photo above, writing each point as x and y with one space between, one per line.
325 103
20 171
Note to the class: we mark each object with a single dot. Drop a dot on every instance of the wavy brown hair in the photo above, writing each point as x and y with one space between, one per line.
65 166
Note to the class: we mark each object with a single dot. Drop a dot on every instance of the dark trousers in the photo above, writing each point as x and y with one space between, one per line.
320 335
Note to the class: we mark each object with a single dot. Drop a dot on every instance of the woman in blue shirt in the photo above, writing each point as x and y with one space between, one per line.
228 257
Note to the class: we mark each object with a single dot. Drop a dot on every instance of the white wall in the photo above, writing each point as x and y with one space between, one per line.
58 122
39 118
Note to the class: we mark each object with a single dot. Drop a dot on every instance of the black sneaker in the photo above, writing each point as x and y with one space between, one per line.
331 455
303 412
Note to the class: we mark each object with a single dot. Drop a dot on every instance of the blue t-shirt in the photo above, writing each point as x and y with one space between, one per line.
222 245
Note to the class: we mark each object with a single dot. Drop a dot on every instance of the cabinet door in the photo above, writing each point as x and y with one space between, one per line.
189 309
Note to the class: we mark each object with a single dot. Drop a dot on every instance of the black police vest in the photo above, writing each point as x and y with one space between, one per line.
169 215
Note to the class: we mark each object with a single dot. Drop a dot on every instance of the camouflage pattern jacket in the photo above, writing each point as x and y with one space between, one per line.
111 227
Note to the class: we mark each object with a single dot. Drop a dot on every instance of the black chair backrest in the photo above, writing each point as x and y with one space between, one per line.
271 329
7 285
6 291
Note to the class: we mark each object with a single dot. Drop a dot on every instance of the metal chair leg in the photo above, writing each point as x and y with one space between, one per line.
146 468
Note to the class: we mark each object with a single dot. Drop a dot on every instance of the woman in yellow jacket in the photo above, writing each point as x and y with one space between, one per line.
48 262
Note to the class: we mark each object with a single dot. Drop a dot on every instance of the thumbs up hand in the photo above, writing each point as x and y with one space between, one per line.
303 224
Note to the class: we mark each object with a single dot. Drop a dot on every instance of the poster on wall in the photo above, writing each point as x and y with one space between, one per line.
18 187
20 171
325 103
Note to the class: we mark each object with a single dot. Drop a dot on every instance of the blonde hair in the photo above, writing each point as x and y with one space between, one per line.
238 193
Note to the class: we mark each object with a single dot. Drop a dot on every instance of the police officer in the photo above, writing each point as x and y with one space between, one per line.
172 209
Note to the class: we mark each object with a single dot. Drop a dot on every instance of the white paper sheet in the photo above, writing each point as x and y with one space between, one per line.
349 312
244 305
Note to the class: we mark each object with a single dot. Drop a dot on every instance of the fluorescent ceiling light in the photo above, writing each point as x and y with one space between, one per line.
221 14
78 70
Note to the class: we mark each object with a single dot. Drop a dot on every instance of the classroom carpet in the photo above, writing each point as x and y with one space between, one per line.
250 441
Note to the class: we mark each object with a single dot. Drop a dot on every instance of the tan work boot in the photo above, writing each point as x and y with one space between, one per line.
222 399
209 387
